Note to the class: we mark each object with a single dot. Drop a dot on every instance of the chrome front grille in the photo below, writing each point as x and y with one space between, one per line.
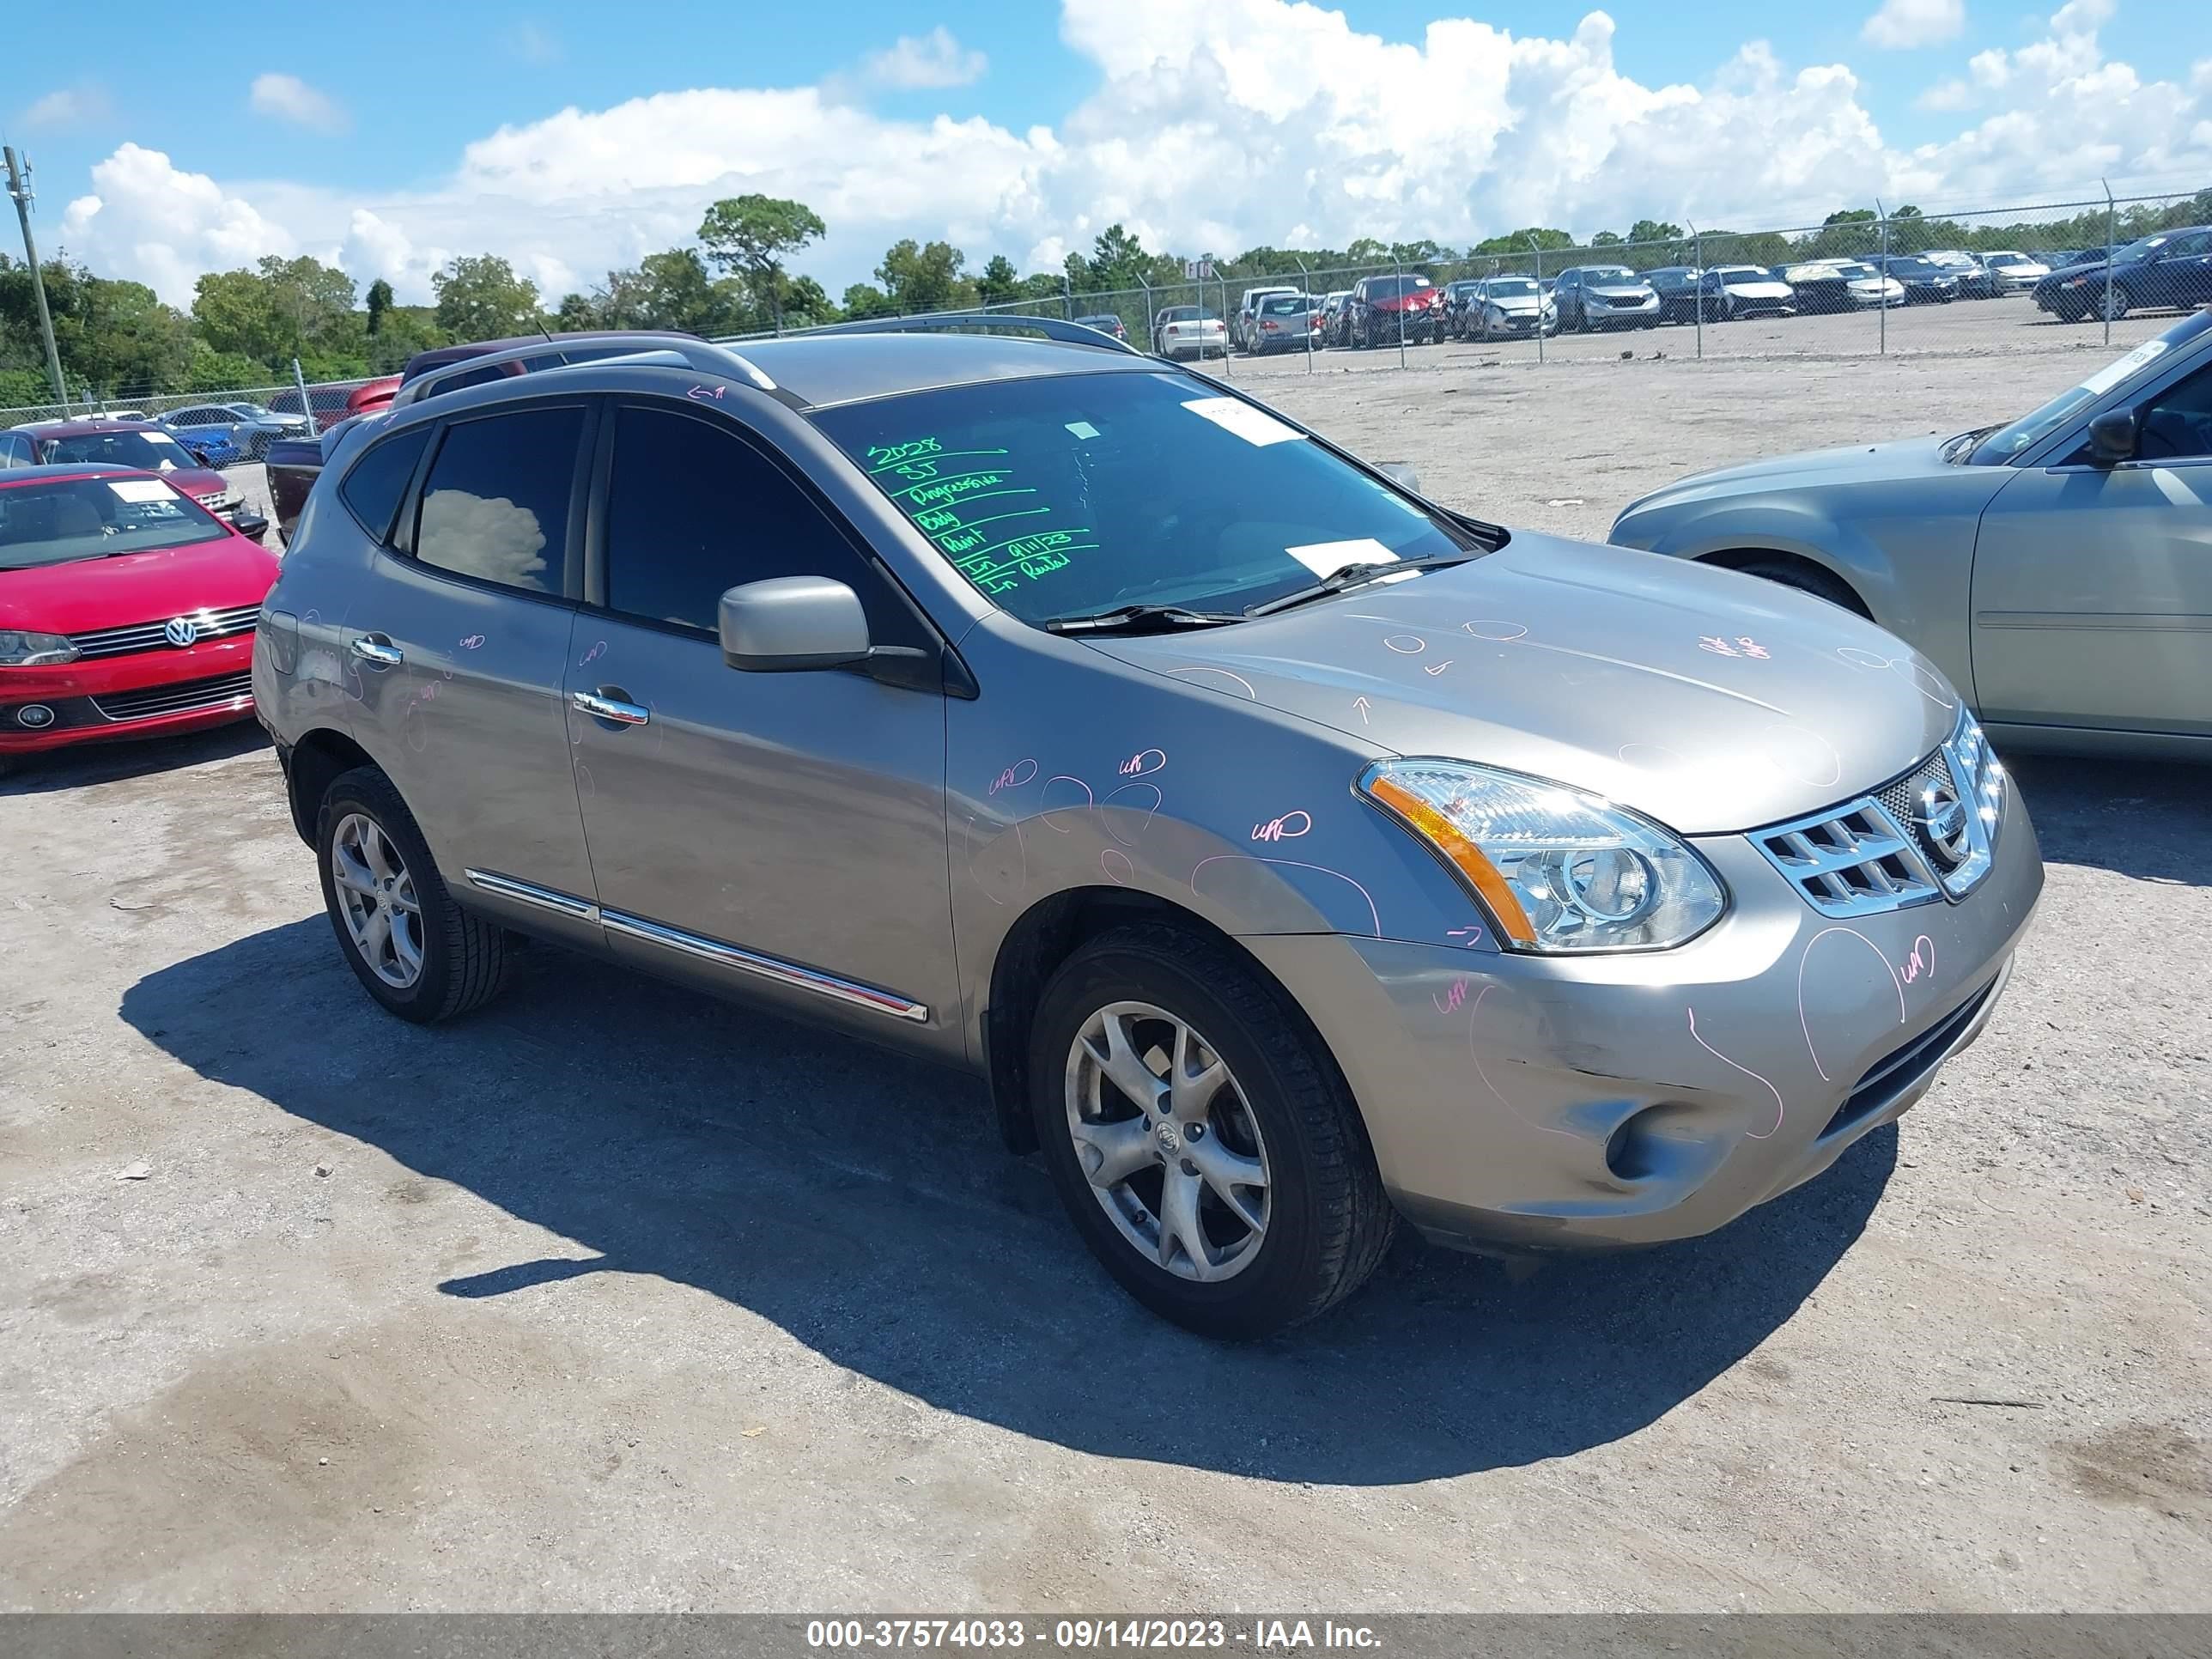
1850 860
151 636
1928 835
181 697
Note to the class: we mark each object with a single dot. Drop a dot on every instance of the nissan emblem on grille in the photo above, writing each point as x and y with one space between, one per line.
1940 818
181 631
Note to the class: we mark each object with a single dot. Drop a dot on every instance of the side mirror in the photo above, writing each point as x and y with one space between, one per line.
792 622
2113 437
1399 473
250 523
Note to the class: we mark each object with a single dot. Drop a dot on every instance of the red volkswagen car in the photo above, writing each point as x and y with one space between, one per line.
126 609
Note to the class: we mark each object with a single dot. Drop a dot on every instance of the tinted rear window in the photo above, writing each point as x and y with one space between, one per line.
372 487
496 504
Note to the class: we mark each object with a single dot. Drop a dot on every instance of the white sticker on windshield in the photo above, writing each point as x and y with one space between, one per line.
1327 558
2112 373
1253 426
157 438
1083 428
142 490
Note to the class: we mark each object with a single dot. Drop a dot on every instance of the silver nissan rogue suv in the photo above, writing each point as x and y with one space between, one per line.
1290 854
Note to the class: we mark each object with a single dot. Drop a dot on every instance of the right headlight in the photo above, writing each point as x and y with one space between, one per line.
1559 871
19 649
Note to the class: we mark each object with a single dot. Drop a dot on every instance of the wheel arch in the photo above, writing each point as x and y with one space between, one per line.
1743 558
318 760
1033 948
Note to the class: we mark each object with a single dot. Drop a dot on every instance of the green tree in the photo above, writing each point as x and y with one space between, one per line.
867 299
279 310
480 298
805 304
1606 239
924 276
1654 230
407 330
749 236
378 302
576 312
999 282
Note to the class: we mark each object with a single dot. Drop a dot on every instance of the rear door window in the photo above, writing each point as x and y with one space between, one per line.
496 506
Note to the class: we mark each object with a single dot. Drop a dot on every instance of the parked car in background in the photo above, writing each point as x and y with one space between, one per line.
1833 285
246 427
1455 316
1680 294
1106 323
1605 296
2053 568
1512 308
1288 322
1384 310
1976 280
329 405
126 609
1924 281
1335 317
142 444
1181 331
1739 291
1246 326
2171 270
2015 273
1242 997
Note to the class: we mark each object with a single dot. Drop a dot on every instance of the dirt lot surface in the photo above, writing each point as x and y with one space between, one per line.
614 1297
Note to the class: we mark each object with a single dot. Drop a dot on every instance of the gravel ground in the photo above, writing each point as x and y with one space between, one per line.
614 1297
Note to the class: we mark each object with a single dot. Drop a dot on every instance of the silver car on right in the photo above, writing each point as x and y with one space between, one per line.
2057 567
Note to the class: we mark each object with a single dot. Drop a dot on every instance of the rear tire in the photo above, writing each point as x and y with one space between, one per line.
1280 1113
459 960
1808 579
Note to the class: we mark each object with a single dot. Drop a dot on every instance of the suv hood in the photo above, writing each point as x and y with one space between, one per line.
1617 671
1899 460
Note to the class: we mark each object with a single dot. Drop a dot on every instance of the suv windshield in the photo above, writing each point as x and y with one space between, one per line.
1067 496
2007 442
91 518
149 451
1284 305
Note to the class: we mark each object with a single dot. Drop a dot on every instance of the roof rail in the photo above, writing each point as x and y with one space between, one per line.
1052 328
599 348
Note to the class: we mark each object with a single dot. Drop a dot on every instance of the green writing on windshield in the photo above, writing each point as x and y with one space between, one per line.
997 532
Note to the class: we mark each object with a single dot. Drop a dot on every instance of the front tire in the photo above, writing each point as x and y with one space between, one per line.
1200 1137
1808 579
418 953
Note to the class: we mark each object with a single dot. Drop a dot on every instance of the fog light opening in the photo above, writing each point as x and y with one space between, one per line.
1630 1152
34 716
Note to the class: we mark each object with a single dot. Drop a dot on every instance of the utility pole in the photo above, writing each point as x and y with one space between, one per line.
19 189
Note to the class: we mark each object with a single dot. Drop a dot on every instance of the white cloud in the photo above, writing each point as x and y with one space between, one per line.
1252 121
934 59
1903 23
289 98
69 106
533 42
1946 95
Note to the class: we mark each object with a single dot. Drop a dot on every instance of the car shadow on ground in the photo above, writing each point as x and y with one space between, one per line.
862 1202
77 767
2148 820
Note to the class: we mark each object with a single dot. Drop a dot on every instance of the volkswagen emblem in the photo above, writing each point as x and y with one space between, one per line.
181 631
1940 818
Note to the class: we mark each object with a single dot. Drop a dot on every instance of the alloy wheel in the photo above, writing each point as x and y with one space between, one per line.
1168 1142
377 900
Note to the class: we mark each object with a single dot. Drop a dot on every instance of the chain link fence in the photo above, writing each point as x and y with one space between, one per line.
1870 282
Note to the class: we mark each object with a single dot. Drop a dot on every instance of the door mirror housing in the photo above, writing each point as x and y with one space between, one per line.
789 624
2113 437
250 522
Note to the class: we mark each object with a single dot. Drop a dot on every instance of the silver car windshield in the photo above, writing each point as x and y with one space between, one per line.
1065 495
2007 442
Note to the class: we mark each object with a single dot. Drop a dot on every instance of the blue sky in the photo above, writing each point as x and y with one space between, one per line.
382 113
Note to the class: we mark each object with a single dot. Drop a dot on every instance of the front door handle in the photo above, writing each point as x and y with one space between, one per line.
374 647
601 706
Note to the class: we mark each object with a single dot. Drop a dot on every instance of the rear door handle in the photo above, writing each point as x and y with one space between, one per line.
603 707
374 647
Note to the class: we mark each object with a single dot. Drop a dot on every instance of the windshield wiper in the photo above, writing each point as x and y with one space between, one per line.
1357 575
1139 619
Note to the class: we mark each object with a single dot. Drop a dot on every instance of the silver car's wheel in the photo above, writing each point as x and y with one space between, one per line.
1168 1141
377 900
